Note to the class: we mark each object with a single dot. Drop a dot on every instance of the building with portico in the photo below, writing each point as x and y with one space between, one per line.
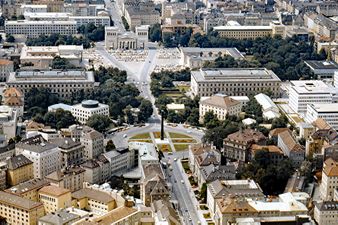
115 39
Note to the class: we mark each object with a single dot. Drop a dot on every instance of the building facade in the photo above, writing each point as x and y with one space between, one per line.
328 112
234 82
83 111
329 179
20 169
6 67
54 198
114 39
63 83
33 29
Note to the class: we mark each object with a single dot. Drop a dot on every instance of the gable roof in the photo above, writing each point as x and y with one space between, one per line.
290 142
18 161
221 101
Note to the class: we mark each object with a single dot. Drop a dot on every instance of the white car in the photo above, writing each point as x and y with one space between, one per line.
175 159
125 135
182 181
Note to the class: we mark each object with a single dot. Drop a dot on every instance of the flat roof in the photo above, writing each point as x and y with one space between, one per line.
325 107
321 64
244 28
196 51
234 74
46 22
310 86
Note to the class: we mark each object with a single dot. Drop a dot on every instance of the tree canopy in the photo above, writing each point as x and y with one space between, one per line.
99 122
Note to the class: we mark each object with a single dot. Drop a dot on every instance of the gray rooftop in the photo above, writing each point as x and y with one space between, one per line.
27 186
234 74
17 162
36 144
321 64
18 202
92 194
60 217
65 143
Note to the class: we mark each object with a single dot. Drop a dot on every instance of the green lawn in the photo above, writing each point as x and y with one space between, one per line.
164 148
183 88
178 135
141 136
181 147
140 140
158 135
184 140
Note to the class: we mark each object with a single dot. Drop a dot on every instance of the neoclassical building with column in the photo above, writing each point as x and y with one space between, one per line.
114 39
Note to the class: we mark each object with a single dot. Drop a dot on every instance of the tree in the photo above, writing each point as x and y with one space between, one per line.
99 122
61 63
10 38
210 120
193 118
155 32
129 115
146 110
125 23
110 146
21 17
37 100
203 192
280 122
59 119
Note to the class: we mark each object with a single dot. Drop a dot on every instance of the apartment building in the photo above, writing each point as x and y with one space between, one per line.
42 56
33 29
54 198
234 81
275 154
305 92
242 188
153 186
69 178
96 20
6 67
323 27
19 170
93 142
221 105
18 210
328 112
71 151
63 83
83 111
97 171
95 201
326 213
137 15
329 179
46 157
29 189
236 145
291 148
14 99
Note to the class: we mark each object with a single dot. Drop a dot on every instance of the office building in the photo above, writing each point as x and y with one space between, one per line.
46 157
8 121
234 81
63 83
115 39
329 179
121 160
328 112
97 171
322 69
138 14
96 20
305 92
54 198
83 111
18 210
62 217
42 56
19 170
69 178
221 105
250 32
33 29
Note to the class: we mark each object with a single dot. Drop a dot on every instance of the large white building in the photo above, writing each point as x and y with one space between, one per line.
269 108
121 160
114 39
234 81
46 157
83 111
42 56
329 112
326 213
305 92
33 29
220 105
63 83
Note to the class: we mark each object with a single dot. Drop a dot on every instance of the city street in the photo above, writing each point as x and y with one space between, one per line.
115 14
